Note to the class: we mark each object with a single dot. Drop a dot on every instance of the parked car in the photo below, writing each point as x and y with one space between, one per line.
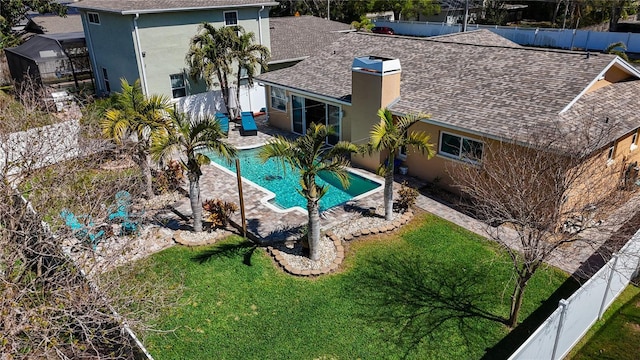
383 30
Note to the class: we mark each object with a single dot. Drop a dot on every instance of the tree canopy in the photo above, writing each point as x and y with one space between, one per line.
14 11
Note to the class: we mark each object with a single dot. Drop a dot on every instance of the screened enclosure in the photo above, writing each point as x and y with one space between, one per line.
56 60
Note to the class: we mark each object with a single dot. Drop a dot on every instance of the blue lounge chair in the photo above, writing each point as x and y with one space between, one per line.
122 215
224 122
248 124
81 231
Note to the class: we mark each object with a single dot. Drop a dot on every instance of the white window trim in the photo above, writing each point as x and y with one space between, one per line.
634 140
89 14
611 155
184 85
285 99
454 157
224 17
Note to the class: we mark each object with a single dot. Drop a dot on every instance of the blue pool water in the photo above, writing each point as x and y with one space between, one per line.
284 183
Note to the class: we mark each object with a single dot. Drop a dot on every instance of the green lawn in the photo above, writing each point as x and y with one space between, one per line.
435 291
616 335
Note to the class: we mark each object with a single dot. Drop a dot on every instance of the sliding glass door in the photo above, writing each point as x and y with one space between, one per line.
308 111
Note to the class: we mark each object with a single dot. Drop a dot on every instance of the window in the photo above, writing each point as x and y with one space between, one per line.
231 18
305 112
278 99
105 77
178 87
634 140
94 18
611 154
460 147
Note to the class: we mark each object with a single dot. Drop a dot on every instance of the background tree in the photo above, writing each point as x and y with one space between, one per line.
309 156
250 59
187 136
134 114
388 137
407 9
14 11
364 24
546 194
344 11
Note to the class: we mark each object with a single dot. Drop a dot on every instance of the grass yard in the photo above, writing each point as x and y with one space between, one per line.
616 336
433 291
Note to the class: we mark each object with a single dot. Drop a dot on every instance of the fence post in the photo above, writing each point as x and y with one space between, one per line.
563 304
606 290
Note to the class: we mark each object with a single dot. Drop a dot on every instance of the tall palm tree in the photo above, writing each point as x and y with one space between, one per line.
133 113
389 136
250 58
308 155
188 136
210 56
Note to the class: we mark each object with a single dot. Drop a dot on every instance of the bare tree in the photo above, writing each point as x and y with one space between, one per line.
58 294
541 194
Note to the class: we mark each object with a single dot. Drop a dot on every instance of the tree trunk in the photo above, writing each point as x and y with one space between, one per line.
238 107
196 204
314 229
145 167
388 195
616 11
516 300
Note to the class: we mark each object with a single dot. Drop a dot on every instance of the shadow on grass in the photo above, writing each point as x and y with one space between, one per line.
509 344
228 250
421 303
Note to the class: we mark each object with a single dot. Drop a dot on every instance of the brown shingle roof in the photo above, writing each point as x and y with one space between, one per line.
57 24
152 6
296 37
477 37
492 90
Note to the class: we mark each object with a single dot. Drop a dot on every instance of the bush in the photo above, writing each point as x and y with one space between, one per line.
168 180
219 211
408 196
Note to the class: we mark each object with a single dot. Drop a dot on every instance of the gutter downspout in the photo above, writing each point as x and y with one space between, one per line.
92 57
260 25
140 56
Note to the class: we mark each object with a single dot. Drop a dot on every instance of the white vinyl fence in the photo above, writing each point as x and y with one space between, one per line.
38 147
574 316
552 38
211 102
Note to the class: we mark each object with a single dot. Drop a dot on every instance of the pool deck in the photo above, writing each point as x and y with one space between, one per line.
264 221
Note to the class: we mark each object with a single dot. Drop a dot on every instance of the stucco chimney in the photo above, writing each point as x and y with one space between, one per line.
375 84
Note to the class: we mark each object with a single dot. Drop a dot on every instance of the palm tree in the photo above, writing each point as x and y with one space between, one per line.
307 155
133 113
248 57
390 136
210 56
188 136
617 48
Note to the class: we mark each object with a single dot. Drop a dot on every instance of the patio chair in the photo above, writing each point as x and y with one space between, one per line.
122 215
224 122
248 125
81 231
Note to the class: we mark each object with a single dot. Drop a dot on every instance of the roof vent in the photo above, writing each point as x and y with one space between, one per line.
376 65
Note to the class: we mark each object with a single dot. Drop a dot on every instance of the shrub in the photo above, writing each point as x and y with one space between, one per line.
407 197
219 211
170 179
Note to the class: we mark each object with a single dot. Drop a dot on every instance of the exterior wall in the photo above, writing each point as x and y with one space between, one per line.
111 45
165 37
613 75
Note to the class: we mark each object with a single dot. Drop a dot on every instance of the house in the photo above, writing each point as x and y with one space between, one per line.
295 38
53 24
55 60
148 40
477 86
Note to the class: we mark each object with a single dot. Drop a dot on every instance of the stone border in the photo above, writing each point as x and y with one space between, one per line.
282 262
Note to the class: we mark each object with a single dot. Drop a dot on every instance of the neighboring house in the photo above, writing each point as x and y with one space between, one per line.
148 40
53 24
54 60
478 87
295 38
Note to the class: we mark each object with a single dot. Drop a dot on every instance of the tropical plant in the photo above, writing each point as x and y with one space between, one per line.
364 24
309 156
389 136
407 197
188 136
215 53
617 48
248 57
134 113
219 211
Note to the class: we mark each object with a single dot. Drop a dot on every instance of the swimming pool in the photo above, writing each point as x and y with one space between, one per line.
284 183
